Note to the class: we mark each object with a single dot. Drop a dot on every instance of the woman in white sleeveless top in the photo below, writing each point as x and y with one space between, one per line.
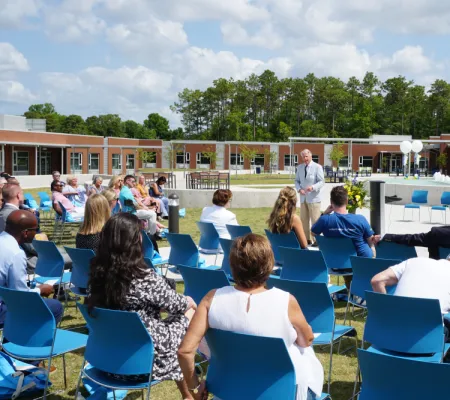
250 308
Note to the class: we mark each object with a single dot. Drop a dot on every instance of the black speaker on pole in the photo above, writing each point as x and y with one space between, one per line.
377 207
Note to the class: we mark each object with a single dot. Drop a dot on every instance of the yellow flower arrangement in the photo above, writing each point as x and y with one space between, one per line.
357 195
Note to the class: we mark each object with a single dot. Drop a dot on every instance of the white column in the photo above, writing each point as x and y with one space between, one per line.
3 157
62 160
290 158
36 160
12 160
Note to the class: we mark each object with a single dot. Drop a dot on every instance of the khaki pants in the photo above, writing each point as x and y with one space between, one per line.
309 214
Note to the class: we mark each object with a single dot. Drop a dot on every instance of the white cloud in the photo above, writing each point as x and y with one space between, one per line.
11 60
14 13
234 34
15 92
148 38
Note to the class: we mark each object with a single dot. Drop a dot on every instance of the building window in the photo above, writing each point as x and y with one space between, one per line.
365 161
259 160
94 161
423 164
343 163
183 158
236 159
287 160
116 162
21 162
203 159
130 161
315 158
76 161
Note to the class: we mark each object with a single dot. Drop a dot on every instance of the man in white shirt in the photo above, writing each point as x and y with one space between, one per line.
418 277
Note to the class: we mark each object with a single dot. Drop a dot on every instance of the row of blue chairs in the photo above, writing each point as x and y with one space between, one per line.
420 198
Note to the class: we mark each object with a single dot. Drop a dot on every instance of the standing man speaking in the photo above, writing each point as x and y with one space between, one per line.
309 181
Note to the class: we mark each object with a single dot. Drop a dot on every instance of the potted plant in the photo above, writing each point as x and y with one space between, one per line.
357 195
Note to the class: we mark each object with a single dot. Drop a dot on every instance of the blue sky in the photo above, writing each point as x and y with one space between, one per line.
132 57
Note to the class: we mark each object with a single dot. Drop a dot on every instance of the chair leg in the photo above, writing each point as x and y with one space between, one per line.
114 394
78 383
349 323
64 370
331 365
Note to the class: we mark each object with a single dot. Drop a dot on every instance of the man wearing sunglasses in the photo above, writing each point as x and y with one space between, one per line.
21 227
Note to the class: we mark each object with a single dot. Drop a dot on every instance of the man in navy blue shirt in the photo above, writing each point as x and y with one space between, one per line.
337 222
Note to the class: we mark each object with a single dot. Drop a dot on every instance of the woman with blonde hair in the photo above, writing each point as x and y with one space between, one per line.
96 213
283 218
113 198
116 183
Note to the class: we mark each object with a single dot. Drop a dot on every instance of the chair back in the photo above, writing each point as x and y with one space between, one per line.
444 252
336 251
364 269
209 238
118 342
389 377
28 197
226 247
445 198
404 324
147 246
314 299
81 265
28 322
63 212
183 250
303 265
44 197
281 240
395 251
420 197
256 366
236 231
50 262
198 282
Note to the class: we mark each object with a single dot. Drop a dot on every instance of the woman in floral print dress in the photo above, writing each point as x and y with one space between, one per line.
121 280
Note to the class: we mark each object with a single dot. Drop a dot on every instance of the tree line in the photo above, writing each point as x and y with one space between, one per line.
266 108
154 127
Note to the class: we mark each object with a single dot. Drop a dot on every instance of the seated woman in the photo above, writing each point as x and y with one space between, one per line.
218 213
157 192
283 218
97 186
74 213
148 200
74 192
121 280
251 309
116 184
113 200
96 213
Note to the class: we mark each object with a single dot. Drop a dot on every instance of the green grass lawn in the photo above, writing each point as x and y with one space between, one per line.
344 366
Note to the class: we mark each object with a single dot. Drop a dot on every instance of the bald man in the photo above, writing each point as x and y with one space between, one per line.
21 227
12 200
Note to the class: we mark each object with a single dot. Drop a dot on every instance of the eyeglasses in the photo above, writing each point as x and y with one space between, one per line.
58 185
30 229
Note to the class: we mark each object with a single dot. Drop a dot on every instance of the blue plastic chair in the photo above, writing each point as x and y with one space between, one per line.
226 247
81 265
364 269
395 251
61 221
209 239
418 197
388 378
198 282
183 251
444 252
281 240
405 326
46 201
50 264
236 231
260 368
318 309
445 203
29 200
149 252
307 266
118 343
30 329
336 253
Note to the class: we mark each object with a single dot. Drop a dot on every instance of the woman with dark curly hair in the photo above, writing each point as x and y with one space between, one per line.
121 280
283 218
